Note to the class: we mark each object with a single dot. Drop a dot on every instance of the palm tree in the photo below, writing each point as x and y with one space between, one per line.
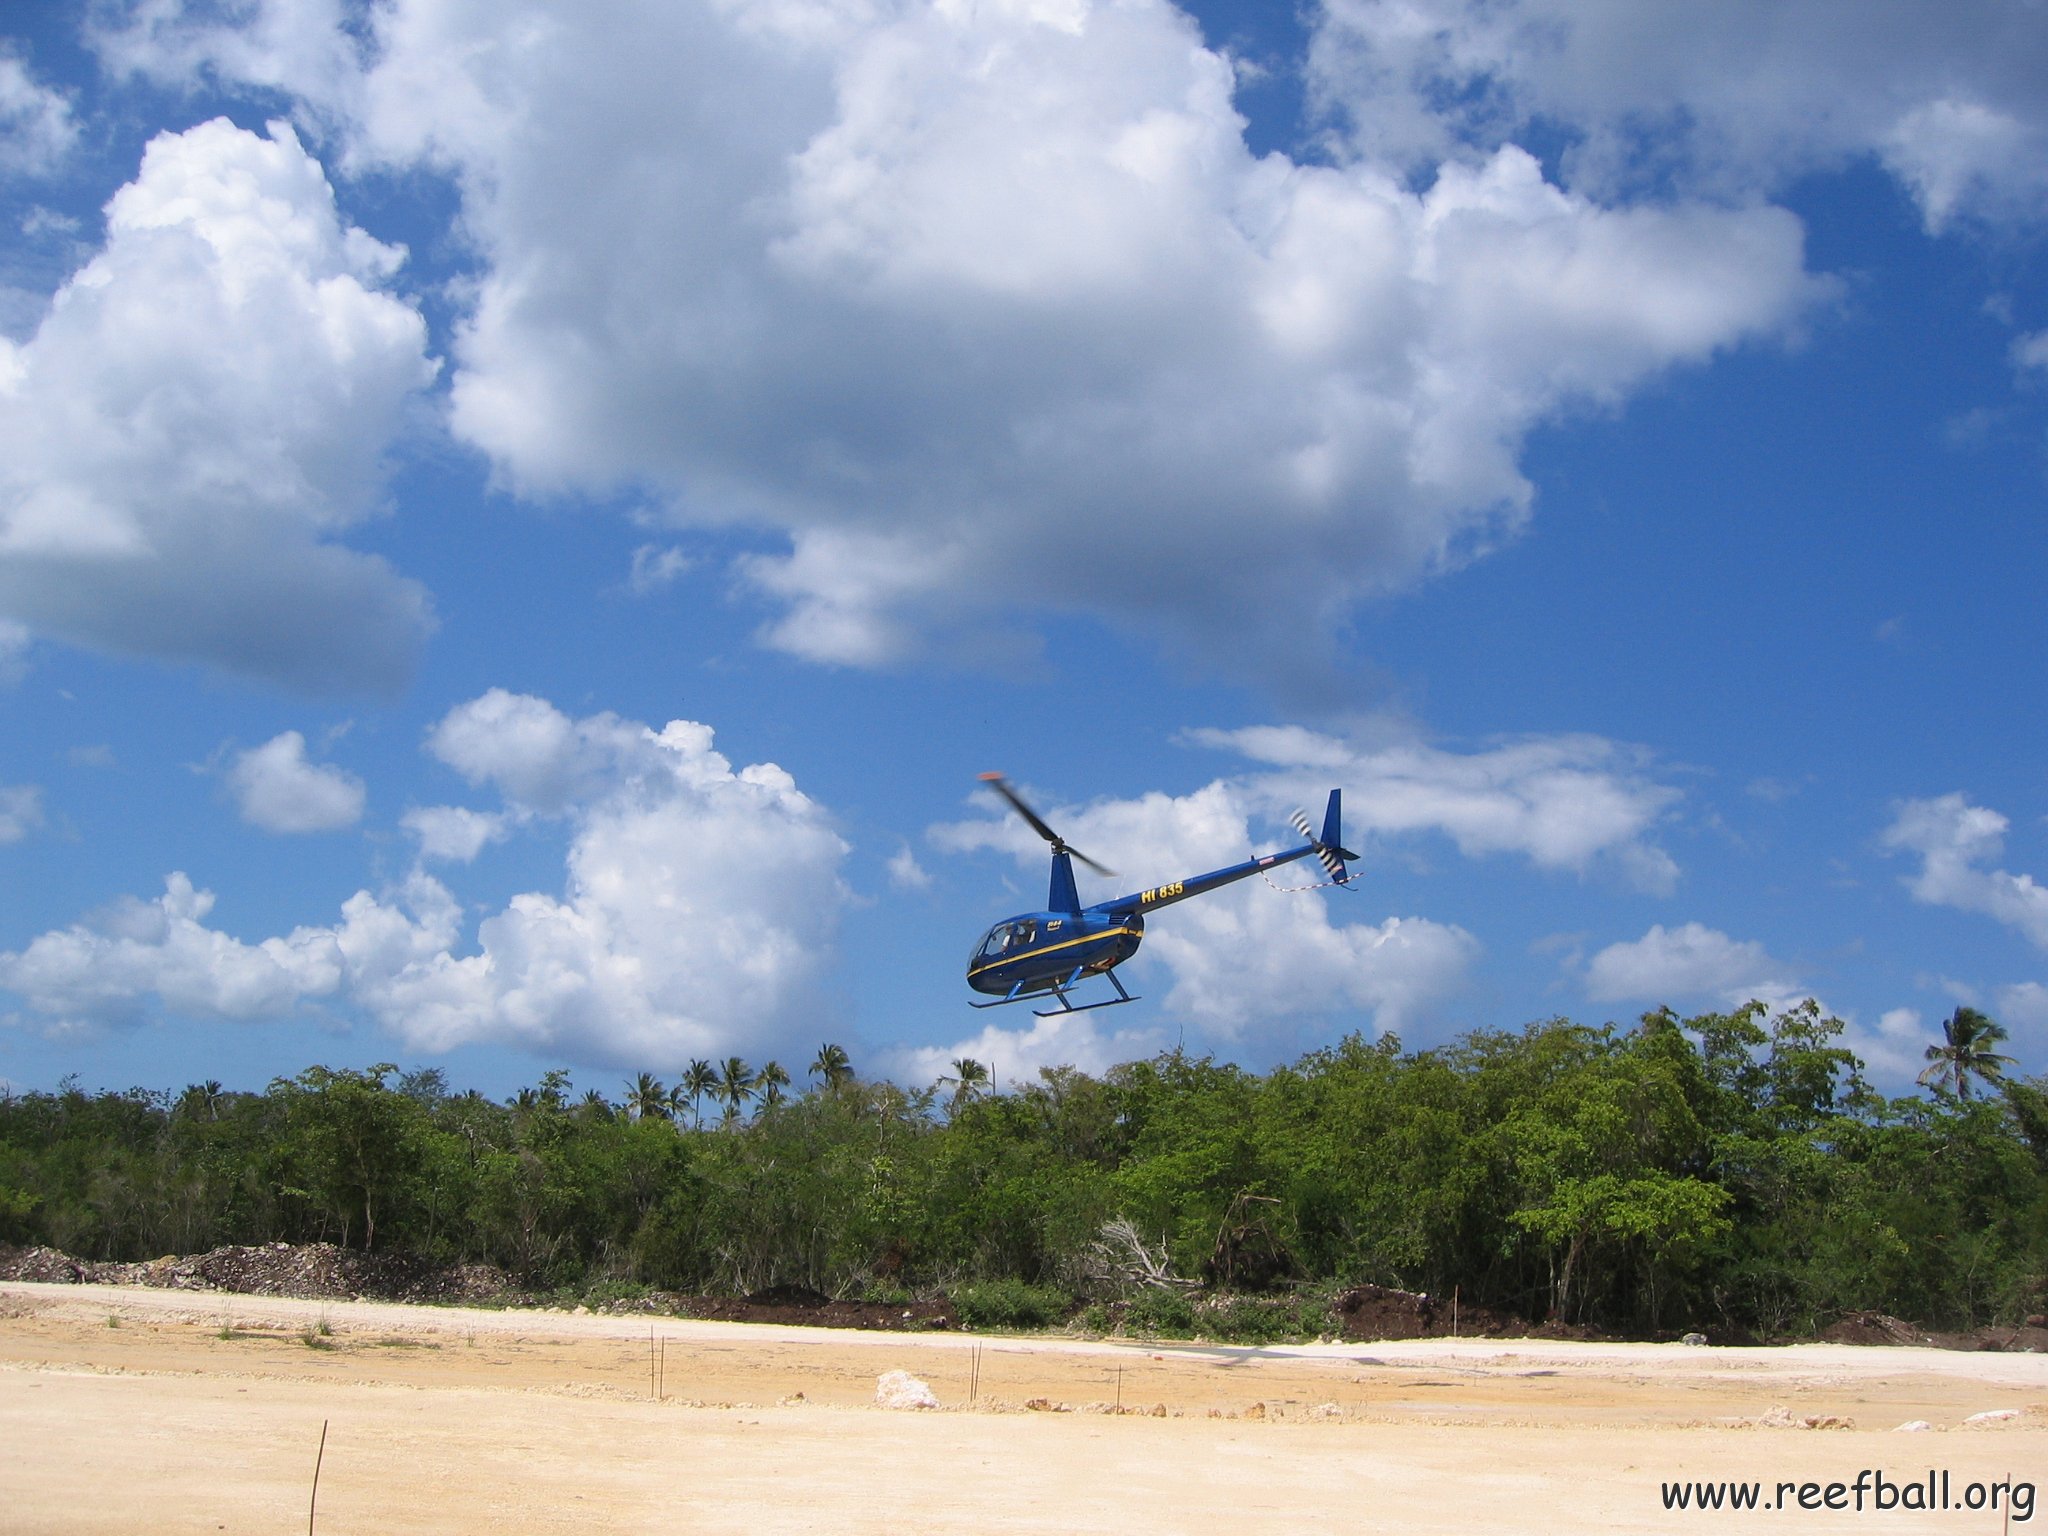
735 1086
699 1080
1965 1052
677 1101
595 1106
205 1096
773 1079
646 1097
834 1066
970 1081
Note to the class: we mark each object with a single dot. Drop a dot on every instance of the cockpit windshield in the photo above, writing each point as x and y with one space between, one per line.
1003 939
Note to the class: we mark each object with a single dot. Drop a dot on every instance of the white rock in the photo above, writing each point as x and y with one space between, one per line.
1995 1416
1912 1426
900 1389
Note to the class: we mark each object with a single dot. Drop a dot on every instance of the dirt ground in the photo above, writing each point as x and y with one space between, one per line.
123 1410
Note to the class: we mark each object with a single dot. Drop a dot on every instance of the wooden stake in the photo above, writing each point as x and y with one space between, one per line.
314 1501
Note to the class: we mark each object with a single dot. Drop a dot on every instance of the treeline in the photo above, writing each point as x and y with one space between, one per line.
1730 1170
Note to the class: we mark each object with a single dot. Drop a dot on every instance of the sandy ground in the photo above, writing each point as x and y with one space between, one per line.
125 1410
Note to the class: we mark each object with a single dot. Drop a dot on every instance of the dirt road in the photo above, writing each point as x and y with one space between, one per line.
127 1410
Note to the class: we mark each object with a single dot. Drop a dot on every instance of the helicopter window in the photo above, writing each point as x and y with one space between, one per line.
1005 939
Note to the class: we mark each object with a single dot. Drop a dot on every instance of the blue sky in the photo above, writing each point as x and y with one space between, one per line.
519 526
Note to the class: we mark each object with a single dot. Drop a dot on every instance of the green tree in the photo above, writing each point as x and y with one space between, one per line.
699 1080
203 1099
833 1066
1965 1053
970 1082
647 1098
360 1141
735 1086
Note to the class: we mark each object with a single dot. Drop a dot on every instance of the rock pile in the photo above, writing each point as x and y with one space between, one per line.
319 1271
1872 1328
900 1389
46 1266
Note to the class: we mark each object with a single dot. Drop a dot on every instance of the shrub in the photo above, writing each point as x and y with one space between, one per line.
1257 1320
1167 1313
995 1304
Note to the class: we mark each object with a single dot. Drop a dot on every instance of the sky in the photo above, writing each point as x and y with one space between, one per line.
521 524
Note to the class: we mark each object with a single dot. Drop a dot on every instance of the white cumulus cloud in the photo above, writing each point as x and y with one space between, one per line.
1896 1048
1690 962
278 789
905 873
700 908
452 832
1573 802
206 404
108 968
697 917
1734 99
910 293
1955 840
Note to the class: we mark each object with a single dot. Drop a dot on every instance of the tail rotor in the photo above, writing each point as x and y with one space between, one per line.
1329 844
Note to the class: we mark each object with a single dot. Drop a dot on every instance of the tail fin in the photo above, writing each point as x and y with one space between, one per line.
1329 847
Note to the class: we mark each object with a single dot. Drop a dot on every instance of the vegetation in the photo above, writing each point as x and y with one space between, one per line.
1731 1170
1964 1056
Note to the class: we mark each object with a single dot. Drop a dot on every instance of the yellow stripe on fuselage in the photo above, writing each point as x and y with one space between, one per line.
1036 950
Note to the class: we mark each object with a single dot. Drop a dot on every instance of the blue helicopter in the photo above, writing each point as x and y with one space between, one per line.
1046 953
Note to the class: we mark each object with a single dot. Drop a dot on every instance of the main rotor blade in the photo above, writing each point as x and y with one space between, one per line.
1001 786
1107 874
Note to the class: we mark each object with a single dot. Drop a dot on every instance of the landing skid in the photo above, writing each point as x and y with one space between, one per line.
1020 993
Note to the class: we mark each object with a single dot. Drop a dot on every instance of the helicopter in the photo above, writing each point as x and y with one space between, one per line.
1037 954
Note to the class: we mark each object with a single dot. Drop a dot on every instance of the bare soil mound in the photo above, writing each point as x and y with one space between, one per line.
1881 1328
1370 1313
1871 1328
